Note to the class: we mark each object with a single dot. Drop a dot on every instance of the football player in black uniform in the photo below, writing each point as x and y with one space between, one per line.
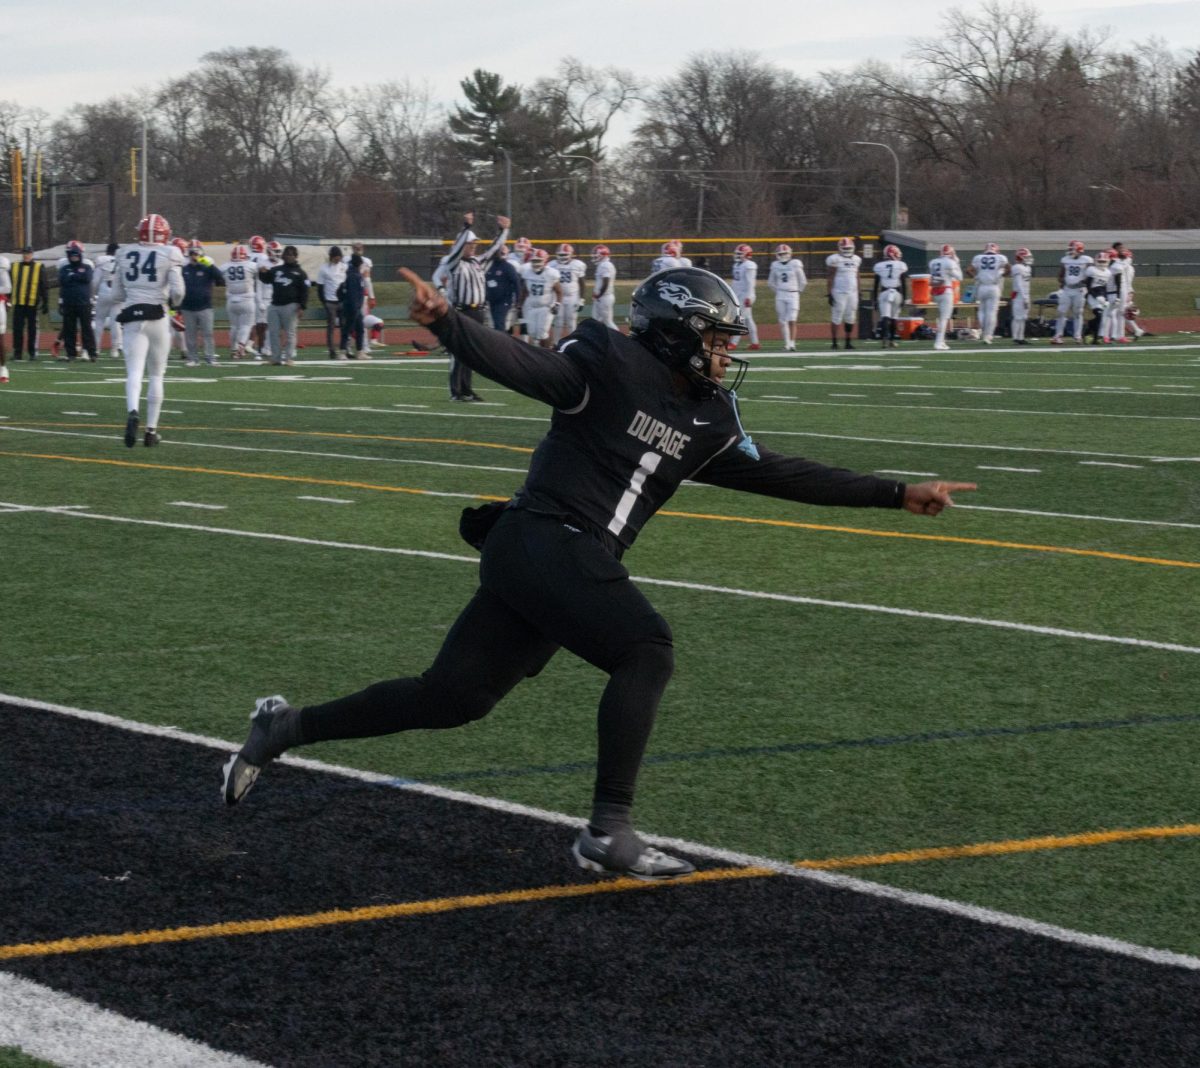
633 417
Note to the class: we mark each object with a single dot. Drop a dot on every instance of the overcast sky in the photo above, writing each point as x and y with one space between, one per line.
61 52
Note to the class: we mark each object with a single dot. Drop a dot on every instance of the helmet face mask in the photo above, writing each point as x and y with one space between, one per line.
741 253
671 313
991 248
783 253
1023 255
239 252
949 253
846 245
891 252
258 243
539 259
565 253
1075 248
600 252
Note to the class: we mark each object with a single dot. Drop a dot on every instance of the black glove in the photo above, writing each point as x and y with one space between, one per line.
829 297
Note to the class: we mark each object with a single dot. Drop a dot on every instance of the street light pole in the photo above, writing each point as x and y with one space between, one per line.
597 192
896 161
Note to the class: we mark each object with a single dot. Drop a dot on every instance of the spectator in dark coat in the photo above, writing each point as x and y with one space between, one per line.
351 292
503 288
75 293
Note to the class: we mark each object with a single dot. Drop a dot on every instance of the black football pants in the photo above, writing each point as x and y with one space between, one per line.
543 585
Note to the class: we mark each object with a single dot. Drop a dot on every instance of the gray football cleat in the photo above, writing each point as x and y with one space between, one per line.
264 743
626 854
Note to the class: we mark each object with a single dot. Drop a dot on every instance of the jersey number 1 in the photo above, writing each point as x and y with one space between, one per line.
646 467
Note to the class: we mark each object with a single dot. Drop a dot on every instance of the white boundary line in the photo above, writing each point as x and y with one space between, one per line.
10 508
72 1033
844 882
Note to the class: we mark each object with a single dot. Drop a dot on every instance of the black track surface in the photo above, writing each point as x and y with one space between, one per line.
104 831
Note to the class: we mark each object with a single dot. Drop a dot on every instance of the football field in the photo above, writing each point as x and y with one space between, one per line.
938 775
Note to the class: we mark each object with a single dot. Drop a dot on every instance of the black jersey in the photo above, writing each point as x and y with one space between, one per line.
623 435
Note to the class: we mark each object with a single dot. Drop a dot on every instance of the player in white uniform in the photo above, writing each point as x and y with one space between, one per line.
571 272
890 292
542 294
241 294
1129 306
668 259
841 279
1072 291
988 269
678 246
1096 279
149 277
262 297
744 281
943 273
104 301
604 286
787 280
5 293
1021 272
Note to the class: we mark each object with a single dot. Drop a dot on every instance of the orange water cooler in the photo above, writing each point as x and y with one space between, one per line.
920 288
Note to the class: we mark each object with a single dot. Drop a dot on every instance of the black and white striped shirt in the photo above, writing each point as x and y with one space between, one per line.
467 281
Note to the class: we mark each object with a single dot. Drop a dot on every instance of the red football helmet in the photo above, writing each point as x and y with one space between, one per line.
600 252
258 243
846 244
1132 312
783 253
154 230
891 252
74 246
1104 257
274 248
1023 255
1075 248
742 252
180 243
565 252
539 258
239 252
1126 254
948 250
991 248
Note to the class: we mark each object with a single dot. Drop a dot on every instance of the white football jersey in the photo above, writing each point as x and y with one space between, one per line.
846 266
745 276
663 263
1021 274
788 277
989 268
1118 272
104 276
1097 277
889 273
605 269
262 262
148 274
241 279
539 285
5 277
570 274
1073 270
943 271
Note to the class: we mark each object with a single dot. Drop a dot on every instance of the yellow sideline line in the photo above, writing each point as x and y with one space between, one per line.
787 523
433 906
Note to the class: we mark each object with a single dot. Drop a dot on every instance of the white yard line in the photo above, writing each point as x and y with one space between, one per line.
1022 470
71 1033
1106 463
11 508
978 914
197 504
1073 515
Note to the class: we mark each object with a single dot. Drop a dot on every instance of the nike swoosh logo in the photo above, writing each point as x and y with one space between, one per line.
701 422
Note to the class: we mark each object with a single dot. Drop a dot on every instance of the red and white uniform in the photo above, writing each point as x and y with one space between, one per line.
890 272
152 275
844 287
1022 274
989 269
104 306
943 273
571 273
539 299
602 306
744 282
241 295
1072 294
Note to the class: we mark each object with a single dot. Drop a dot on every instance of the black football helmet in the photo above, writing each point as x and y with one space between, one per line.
669 313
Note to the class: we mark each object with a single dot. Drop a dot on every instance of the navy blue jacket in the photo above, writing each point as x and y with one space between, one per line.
75 284
351 291
503 282
198 282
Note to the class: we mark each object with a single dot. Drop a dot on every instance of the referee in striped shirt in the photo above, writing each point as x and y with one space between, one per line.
466 290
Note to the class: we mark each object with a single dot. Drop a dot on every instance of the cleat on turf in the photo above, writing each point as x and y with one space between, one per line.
263 745
152 437
626 854
131 429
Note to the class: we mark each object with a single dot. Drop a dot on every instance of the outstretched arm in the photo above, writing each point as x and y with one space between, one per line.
543 374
